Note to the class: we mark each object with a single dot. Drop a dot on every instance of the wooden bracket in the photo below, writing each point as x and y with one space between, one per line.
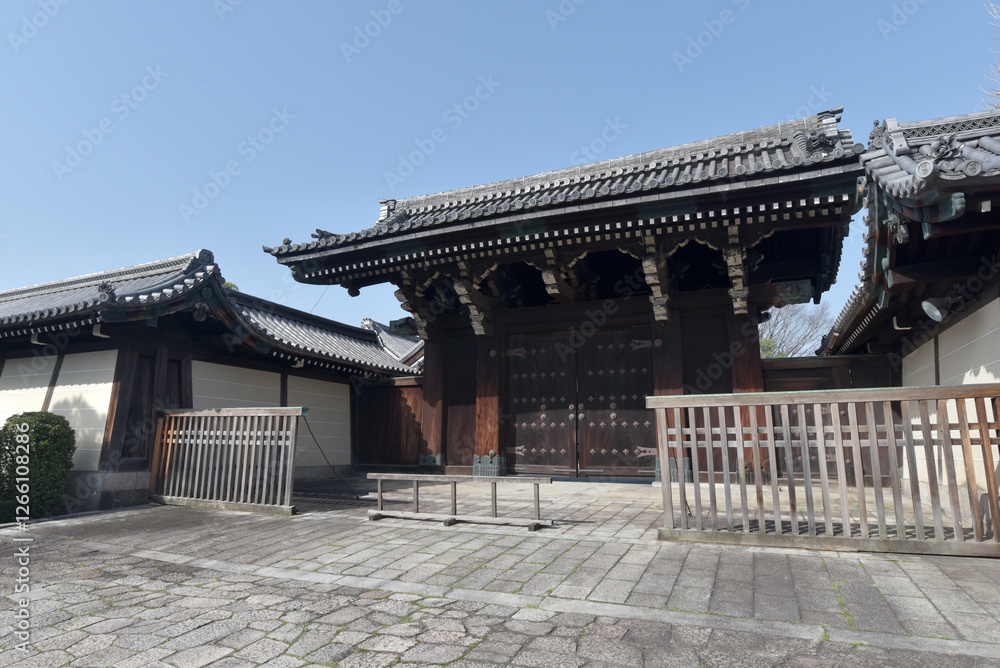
735 256
477 303
554 273
417 307
654 267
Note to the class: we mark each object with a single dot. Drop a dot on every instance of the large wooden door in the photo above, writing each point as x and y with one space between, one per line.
614 428
542 405
580 410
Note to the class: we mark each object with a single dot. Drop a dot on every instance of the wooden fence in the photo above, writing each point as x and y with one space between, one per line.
892 469
228 458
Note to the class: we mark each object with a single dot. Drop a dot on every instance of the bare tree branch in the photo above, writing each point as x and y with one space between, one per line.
992 94
795 330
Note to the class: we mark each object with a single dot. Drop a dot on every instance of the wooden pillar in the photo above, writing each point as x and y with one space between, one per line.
668 369
432 410
668 357
487 396
748 375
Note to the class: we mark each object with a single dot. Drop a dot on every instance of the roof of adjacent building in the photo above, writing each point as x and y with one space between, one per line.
918 159
403 347
194 281
773 151
138 285
924 169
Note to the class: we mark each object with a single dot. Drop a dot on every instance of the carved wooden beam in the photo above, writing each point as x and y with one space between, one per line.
477 303
782 293
735 257
930 272
417 307
654 267
554 273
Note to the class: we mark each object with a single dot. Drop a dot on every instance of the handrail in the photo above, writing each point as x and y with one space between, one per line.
883 469
824 396
454 517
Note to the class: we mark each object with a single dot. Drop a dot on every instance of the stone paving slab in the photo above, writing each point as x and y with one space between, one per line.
164 586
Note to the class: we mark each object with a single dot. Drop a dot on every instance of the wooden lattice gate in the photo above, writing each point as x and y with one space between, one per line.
228 458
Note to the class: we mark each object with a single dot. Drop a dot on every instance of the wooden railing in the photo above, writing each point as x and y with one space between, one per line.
893 469
454 517
228 458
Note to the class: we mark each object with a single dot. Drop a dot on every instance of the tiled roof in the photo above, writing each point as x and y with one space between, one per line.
138 285
314 336
170 285
917 164
913 160
771 151
401 347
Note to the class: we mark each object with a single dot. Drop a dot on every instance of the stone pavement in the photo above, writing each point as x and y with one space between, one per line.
162 586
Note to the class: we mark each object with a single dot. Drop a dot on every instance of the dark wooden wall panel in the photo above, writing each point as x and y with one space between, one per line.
432 418
460 392
802 374
487 397
389 430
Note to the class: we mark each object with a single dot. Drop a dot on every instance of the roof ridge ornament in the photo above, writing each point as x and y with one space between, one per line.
107 291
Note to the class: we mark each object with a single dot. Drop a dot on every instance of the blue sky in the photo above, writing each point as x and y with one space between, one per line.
134 131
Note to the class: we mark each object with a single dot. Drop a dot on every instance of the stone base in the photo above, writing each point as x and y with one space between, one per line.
103 490
489 466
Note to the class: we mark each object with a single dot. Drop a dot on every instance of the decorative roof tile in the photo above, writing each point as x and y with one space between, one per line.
917 164
915 160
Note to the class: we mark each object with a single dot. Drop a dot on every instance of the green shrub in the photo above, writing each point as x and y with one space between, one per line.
50 445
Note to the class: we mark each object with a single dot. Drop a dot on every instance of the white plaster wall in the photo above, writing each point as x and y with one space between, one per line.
23 384
82 395
329 417
224 386
968 354
970 350
918 367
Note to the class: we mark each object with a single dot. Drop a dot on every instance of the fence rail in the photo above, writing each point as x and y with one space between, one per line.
453 517
893 469
229 458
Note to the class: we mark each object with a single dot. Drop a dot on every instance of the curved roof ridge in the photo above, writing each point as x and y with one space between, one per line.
680 152
181 263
